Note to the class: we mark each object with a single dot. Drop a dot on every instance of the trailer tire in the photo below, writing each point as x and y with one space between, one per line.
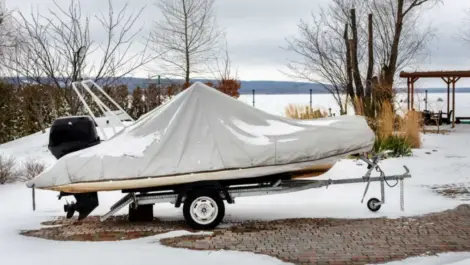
374 204
203 209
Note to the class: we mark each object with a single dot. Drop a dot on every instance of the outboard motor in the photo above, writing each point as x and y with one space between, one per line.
71 134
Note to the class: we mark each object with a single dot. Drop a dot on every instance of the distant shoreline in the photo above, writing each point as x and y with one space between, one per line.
261 87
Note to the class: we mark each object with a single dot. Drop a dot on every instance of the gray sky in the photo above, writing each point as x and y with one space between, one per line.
256 31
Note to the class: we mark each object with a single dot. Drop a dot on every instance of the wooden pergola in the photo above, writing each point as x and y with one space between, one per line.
449 77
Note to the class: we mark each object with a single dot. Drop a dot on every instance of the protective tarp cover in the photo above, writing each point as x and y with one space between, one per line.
204 130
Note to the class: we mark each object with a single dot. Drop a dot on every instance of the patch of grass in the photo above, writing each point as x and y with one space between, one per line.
397 144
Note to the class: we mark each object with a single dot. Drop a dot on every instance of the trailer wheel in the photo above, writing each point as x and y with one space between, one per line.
374 204
203 209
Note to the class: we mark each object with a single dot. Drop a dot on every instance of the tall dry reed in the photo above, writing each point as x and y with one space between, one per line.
303 112
385 121
410 128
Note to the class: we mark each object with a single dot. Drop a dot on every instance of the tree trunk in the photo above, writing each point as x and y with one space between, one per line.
355 61
186 39
391 68
349 86
370 69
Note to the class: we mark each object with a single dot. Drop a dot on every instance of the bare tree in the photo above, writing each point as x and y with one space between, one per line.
400 41
221 67
464 33
227 81
323 50
350 41
186 36
57 47
9 39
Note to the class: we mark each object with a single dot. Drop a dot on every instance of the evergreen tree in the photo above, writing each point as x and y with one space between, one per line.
7 110
138 104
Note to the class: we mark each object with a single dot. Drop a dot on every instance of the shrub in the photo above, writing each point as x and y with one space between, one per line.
229 86
8 173
397 144
303 112
31 168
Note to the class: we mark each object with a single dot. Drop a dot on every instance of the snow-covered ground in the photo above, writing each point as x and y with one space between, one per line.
444 159
16 215
458 258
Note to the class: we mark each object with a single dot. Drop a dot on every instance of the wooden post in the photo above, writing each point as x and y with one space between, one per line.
408 93
455 80
426 100
453 102
253 98
412 93
310 98
448 97
34 198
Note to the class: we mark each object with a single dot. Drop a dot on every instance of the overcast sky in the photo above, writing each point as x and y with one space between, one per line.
256 31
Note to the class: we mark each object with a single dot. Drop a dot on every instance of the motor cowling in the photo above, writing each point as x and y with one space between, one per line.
71 134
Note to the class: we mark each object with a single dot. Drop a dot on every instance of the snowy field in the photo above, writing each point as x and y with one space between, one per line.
444 159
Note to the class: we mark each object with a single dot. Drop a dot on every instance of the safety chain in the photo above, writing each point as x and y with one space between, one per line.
402 195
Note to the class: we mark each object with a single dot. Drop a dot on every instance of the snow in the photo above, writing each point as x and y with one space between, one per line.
457 258
273 128
18 249
444 159
258 135
128 146
34 146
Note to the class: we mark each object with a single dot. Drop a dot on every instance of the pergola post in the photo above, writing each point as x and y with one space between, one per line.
408 82
448 97
412 82
454 81
447 80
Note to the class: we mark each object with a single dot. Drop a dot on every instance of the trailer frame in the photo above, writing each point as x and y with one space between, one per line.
136 199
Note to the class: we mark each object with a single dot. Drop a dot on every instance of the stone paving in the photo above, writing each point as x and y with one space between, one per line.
91 229
300 241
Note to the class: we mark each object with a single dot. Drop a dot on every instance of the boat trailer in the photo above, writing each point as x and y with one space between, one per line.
206 200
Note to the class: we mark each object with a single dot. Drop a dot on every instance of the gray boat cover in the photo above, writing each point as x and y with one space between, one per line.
204 130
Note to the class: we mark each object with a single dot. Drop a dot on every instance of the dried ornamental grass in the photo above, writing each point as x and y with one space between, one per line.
303 112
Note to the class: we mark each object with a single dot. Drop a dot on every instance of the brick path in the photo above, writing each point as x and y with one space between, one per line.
91 229
301 241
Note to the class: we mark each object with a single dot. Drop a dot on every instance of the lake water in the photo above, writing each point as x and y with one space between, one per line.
276 104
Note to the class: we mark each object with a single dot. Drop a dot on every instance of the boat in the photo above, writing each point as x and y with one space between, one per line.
199 149
203 134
